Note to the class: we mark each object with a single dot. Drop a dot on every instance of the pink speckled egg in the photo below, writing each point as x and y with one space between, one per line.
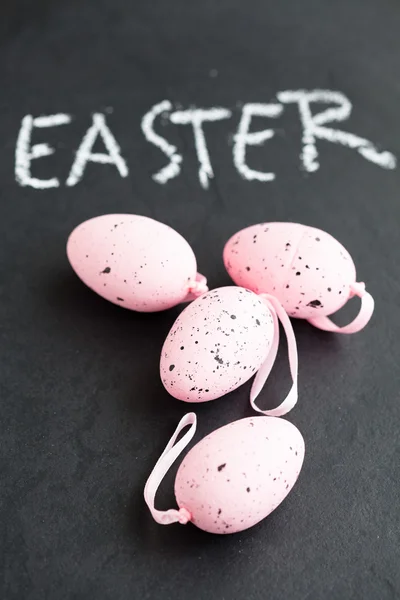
240 473
217 343
133 261
307 269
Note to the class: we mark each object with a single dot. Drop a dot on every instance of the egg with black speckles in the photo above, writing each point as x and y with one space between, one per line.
307 269
216 344
240 473
135 262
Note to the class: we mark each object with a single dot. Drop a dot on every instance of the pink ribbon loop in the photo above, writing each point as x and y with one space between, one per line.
278 312
164 463
361 320
197 287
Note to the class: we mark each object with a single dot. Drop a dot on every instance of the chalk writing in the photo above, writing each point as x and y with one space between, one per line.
313 130
25 153
84 153
196 117
173 168
316 126
244 138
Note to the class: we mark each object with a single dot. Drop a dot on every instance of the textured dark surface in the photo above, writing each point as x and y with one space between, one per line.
83 414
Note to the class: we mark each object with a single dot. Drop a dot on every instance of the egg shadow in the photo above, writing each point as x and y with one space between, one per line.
188 540
309 336
130 341
66 291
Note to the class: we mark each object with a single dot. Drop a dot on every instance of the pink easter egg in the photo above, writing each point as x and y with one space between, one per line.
307 269
216 344
239 474
133 261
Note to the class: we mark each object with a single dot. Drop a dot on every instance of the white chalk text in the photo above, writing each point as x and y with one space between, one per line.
317 125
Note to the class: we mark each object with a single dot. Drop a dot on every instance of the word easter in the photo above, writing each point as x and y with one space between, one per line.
314 128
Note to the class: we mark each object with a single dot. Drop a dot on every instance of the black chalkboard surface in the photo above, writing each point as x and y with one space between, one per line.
98 101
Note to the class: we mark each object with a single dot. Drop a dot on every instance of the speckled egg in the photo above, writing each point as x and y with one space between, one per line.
133 261
240 473
307 269
217 343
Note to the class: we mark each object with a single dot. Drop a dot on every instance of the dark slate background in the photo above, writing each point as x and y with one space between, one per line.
83 414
